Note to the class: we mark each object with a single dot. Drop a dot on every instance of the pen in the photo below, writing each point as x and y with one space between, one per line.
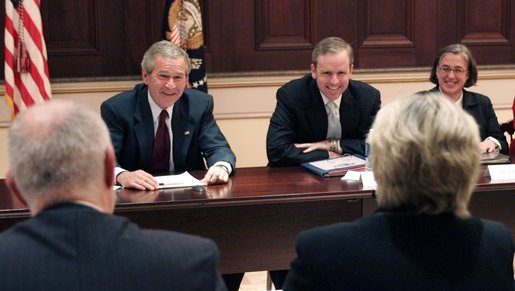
170 184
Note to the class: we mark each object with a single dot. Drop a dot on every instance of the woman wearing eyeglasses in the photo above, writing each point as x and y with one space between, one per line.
455 68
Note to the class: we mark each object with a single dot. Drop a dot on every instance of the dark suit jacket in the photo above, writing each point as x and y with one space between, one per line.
480 107
195 132
398 250
74 247
300 117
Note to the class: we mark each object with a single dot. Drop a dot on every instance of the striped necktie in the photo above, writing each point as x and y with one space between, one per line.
334 130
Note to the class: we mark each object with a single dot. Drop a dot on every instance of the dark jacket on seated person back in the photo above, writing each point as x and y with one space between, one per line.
74 247
399 250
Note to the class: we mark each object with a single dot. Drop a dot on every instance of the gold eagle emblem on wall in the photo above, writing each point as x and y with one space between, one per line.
185 23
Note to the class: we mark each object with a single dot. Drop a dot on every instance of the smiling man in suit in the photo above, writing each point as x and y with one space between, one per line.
324 114
190 130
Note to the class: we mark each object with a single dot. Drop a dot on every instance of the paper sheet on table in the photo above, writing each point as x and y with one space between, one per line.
366 178
351 176
502 172
183 180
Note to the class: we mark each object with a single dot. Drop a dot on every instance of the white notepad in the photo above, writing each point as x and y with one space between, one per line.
183 180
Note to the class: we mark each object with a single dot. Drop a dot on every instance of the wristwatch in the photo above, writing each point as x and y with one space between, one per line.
334 145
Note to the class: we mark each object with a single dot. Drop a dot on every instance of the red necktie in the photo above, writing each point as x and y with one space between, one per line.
161 151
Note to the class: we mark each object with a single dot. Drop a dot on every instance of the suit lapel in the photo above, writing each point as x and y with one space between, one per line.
349 115
468 102
183 131
316 113
435 90
144 129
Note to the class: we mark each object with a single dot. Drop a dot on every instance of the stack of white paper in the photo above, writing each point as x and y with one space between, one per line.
177 181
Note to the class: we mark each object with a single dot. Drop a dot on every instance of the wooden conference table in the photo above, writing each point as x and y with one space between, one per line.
256 217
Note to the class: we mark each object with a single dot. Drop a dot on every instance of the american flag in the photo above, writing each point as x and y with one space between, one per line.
27 79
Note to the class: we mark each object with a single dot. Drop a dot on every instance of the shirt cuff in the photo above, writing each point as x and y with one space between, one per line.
118 171
225 164
495 141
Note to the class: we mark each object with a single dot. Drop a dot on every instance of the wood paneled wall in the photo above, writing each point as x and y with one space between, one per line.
95 38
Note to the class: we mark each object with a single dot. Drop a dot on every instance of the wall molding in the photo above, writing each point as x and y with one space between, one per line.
268 79
226 87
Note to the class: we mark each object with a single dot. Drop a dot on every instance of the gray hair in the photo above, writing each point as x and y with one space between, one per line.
55 147
425 154
164 49
331 45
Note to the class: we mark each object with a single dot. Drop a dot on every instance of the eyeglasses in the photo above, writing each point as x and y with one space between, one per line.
458 71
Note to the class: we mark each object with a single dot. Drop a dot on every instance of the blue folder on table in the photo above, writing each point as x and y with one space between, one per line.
335 167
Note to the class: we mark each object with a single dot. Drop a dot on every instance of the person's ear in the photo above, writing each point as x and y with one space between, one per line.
144 76
351 69
11 184
313 70
109 165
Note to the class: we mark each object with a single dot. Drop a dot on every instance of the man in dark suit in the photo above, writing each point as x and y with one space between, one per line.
426 165
300 129
61 165
133 117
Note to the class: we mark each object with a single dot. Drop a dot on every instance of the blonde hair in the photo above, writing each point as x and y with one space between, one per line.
425 155
331 45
